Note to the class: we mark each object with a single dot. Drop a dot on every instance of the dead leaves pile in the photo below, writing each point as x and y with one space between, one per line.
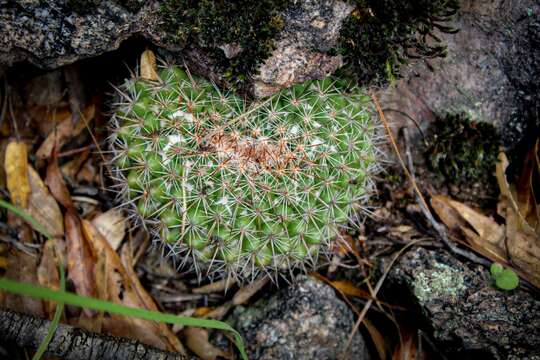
514 242
87 246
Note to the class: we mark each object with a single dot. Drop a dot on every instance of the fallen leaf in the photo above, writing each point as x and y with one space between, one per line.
72 167
112 225
197 341
454 215
22 267
148 66
407 349
246 292
47 271
215 286
43 207
16 166
57 186
348 288
378 340
80 259
125 288
66 130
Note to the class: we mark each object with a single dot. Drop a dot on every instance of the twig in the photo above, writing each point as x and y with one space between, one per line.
71 343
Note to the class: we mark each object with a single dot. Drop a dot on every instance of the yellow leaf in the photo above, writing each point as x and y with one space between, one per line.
16 165
148 66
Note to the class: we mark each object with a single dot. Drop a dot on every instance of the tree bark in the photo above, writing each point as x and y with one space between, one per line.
74 343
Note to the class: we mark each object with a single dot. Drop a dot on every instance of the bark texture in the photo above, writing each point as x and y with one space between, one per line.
74 343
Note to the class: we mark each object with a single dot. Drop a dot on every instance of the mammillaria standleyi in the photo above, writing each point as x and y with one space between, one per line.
238 188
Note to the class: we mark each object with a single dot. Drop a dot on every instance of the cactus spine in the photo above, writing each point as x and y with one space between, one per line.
238 188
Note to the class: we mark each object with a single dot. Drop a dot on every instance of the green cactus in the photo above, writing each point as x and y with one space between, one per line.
236 188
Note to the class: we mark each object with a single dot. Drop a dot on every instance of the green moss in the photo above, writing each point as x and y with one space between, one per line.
209 24
382 35
463 151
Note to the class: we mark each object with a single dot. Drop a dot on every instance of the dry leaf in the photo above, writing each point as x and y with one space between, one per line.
112 225
491 246
22 267
47 272
378 340
197 341
246 292
148 66
65 131
43 207
72 167
16 166
124 288
213 287
57 186
348 288
80 259
407 349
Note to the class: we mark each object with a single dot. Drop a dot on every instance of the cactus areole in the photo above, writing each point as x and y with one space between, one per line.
236 188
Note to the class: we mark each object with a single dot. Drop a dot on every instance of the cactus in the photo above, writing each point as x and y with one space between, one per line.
238 189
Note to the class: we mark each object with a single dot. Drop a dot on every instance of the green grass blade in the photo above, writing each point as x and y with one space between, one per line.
28 218
110 307
55 321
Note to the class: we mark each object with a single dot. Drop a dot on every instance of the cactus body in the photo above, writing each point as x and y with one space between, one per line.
242 188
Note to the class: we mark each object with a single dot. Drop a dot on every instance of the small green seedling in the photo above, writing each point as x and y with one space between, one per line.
505 279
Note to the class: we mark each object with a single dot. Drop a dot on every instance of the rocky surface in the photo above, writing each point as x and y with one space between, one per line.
489 71
311 28
50 34
463 309
304 321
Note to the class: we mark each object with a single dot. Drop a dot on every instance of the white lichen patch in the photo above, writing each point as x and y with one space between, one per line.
443 281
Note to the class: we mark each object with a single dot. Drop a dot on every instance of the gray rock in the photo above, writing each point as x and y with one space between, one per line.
311 29
490 68
50 34
463 308
304 321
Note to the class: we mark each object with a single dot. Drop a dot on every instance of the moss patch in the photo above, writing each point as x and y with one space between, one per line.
382 35
464 151
252 25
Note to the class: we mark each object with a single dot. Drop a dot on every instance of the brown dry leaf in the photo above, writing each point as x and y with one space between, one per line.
508 192
378 340
523 247
197 341
65 131
348 288
16 166
71 168
126 289
148 66
112 225
80 259
213 287
246 292
43 207
57 186
47 272
407 349
483 234
22 267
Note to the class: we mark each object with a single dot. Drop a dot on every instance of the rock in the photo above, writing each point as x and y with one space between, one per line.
304 321
464 309
489 71
49 34
311 29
